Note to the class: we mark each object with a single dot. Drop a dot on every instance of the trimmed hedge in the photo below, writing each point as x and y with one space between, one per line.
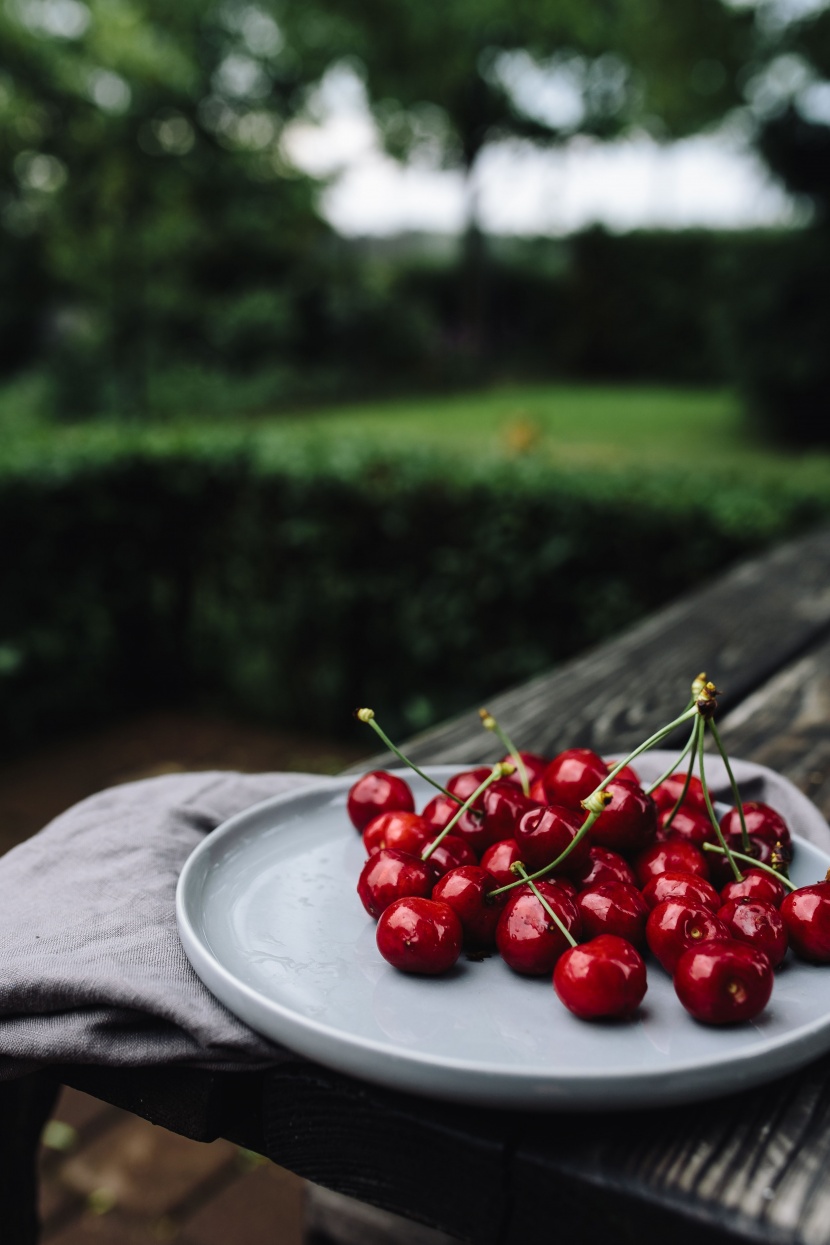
293 588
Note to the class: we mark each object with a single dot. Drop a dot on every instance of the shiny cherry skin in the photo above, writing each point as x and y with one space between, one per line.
629 823
391 875
686 886
467 890
670 857
504 806
723 982
537 792
572 776
719 869
377 792
756 884
470 827
464 783
762 822
535 767
603 866
600 979
674 925
757 923
614 908
627 773
688 825
450 853
527 939
806 915
498 859
668 793
405 831
544 833
418 935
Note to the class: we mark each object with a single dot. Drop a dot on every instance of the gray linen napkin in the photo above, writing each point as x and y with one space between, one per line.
91 968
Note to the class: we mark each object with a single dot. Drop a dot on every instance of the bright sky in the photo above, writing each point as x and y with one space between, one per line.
710 180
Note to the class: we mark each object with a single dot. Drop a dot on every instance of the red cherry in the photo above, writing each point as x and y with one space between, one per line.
544 833
419 935
626 773
602 978
723 982
755 885
602 866
470 827
467 890
760 850
377 792
572 776
504 806
405 831
688 825
670 858
535 767
537 792
686 886
614 908
466 782
391 875
450 853
758 923
668 793
527 939
762 822
498 859
629 822
806 915
674 926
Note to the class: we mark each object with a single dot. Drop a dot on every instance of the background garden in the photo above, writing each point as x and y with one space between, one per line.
250 464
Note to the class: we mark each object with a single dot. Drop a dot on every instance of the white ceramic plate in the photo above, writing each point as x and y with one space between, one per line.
270 920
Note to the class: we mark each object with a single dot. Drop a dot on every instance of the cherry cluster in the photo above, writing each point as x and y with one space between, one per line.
568 866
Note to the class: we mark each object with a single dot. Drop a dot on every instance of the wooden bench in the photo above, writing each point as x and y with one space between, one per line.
747 1168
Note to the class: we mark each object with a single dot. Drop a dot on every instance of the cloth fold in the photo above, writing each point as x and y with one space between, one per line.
91 968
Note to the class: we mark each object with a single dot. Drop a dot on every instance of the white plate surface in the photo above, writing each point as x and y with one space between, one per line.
270 919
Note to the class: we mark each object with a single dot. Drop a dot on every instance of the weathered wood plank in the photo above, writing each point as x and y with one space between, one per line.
742 629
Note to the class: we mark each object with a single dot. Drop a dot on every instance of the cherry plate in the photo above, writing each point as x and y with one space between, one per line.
270 919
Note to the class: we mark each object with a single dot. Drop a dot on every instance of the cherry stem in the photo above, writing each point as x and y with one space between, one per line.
499 771
490 724
656 738
668 773
696 730
362 715
756 864
519 868
745 843
739 877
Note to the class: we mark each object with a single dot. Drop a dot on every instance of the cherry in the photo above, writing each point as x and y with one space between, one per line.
544 833
723 982
466 782
685 886
668 793
377 792
806 915
758 923
527 939
670 857
629 822
674 926
689 825
760 850
498 859
467 890
762 822
450 853
614 908
470 826
406 831
756 884
537 792
605 977
603 866
391 874
419 935
572 776
535 767
626 773
504 806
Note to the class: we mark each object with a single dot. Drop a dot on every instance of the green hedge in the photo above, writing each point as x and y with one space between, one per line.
294 589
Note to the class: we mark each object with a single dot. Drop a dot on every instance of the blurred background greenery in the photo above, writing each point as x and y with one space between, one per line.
248 462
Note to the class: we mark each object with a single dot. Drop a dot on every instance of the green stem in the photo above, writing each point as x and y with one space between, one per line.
668 773
736 795
543 872
739 877
756 864
644 747
497 772
394 748
697 729
525 877
490 724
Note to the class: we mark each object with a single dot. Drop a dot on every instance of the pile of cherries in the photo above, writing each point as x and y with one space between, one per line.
641 878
